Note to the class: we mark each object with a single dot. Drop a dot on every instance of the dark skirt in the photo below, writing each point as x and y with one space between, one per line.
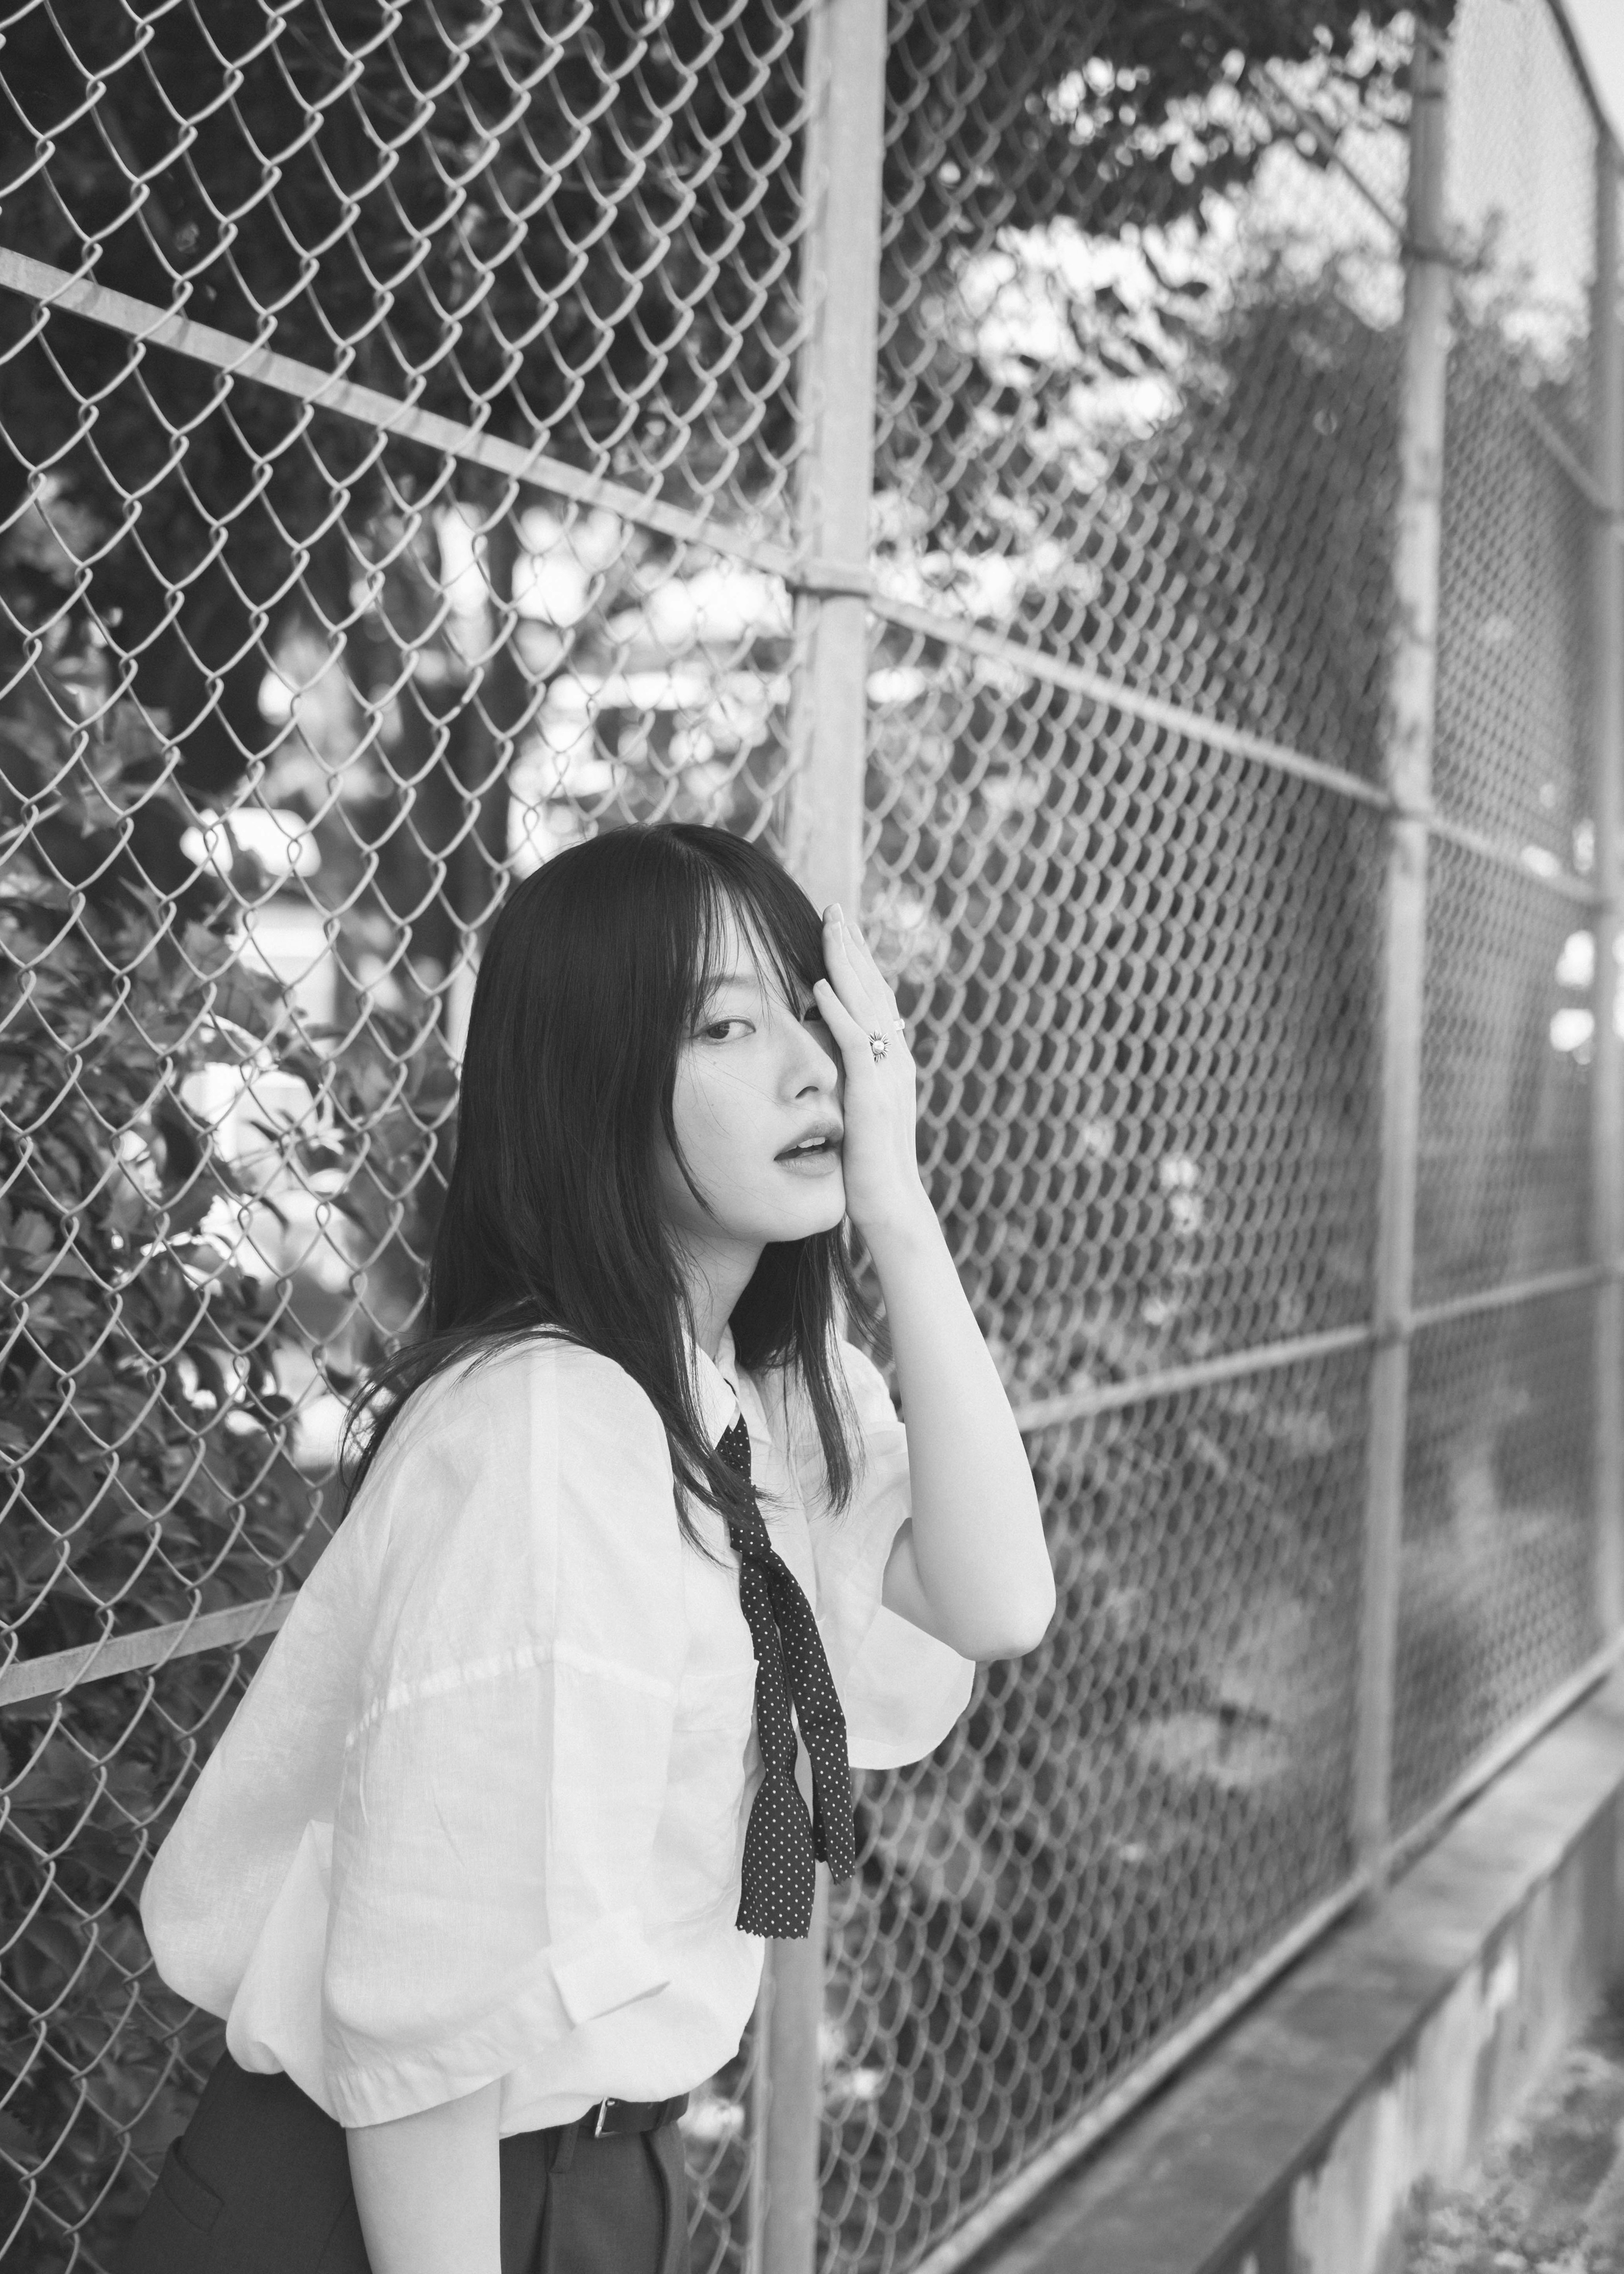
258 2183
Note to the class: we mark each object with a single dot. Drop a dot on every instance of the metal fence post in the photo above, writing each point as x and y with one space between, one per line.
840 266
1607 727
785 2202
1408 765
840 260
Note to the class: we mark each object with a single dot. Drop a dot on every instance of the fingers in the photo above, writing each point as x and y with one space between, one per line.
849 1032
840 963
845 943
856 947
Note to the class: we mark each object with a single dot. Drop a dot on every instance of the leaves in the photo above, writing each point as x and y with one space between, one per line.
142 1449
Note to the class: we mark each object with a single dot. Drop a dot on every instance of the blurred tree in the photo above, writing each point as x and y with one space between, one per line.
1108 915
580 228
567 227
144 1462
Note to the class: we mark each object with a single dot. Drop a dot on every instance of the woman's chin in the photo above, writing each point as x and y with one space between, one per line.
818 1205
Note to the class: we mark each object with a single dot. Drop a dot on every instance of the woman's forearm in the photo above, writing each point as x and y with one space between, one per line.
976 1570
972 1568
428 2188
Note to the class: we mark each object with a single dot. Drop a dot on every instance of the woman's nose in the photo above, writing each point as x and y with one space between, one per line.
819 1070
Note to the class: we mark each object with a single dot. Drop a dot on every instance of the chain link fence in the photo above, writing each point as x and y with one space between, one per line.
433 434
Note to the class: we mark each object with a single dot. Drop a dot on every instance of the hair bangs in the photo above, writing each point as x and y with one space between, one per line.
773 922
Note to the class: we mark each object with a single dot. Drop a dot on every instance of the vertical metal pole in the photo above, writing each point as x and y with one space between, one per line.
794 2110
1409 761
1608 760
757 2120
840 271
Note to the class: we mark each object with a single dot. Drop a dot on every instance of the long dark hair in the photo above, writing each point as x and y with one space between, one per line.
597 968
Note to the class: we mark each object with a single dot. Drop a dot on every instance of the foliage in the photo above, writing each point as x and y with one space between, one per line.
1129 1252
1124 122
616 276
490 232
144 1467
141 1419
100 2064
121 1287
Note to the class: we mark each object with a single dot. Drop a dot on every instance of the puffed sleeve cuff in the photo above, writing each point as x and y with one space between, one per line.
904 1693
596 1971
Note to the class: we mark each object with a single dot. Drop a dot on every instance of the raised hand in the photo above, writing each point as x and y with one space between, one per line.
879 1154
972 1566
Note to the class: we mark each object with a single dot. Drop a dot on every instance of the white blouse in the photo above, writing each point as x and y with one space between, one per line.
481 1812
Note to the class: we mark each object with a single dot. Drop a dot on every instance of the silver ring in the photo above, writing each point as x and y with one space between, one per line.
877 1046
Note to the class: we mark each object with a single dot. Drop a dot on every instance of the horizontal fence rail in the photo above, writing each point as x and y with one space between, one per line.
149 325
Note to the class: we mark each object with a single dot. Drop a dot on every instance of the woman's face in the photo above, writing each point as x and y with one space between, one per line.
757 1112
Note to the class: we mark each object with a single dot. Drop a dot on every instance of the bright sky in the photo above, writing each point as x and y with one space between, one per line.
1600 26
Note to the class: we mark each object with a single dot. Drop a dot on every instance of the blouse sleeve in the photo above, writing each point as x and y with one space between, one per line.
902 1689
506 1770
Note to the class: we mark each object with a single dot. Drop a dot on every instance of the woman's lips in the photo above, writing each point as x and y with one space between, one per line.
820 1161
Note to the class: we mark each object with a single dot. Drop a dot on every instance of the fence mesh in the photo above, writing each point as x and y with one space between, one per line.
1497 1601
1164 445
1112 1831
287 698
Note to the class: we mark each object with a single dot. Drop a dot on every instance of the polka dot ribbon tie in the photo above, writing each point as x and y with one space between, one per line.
780 1846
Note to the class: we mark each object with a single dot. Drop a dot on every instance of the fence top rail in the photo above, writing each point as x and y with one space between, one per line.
1576 56
146 324
152 327
148 1648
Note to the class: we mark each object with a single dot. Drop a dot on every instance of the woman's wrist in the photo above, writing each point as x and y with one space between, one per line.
904 1235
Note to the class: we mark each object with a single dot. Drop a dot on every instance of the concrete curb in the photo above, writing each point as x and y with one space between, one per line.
1296 2143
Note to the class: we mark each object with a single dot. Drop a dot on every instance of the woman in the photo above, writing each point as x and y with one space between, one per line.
481 1874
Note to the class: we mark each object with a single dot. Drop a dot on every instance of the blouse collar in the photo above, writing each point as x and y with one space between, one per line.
716 1383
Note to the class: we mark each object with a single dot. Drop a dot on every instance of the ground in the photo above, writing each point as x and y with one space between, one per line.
1549 2196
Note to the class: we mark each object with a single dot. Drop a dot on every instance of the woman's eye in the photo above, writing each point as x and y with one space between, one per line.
718 1029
